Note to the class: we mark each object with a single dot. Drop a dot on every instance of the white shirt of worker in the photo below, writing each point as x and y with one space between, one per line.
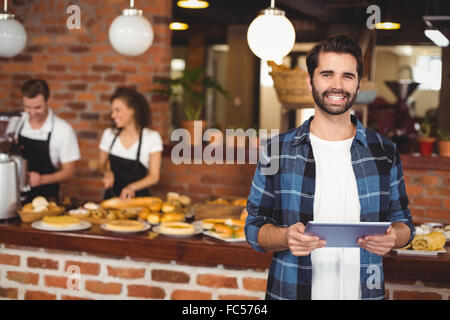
63 143
335 271
151 143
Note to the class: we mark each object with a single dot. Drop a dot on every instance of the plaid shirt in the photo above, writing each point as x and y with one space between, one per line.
287 197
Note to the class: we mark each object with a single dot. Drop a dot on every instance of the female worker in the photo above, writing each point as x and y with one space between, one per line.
130 152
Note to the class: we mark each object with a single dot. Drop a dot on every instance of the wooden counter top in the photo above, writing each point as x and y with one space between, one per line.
200 249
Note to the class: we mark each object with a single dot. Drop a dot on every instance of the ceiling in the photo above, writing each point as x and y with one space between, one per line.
315 19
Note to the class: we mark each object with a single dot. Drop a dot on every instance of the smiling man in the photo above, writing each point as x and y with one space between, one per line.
46 141
332 169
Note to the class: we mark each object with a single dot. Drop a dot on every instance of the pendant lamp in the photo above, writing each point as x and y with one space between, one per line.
193 4
13 36
131 34
271 35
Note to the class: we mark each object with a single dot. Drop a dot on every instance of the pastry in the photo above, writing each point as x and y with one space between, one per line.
124 225
177 228
155 206
60 221
39 202
91 206
223 230
240 202
143 214
235 222
185 200
168 207
429 242
447 227
117 203
209 223
172 196
244 214
153 217
79 213
172 217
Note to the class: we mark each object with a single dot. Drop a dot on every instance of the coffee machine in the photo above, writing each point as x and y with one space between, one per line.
13 168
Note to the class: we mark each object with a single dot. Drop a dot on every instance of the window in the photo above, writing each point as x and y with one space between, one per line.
428 71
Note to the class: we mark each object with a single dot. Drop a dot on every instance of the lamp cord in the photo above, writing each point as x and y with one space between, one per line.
5 5
131 3
272 3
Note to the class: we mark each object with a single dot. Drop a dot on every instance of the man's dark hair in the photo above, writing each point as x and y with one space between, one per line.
33 87
136 101
339 44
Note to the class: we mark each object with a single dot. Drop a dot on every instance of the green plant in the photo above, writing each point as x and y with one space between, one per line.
444 135
425 128
194 84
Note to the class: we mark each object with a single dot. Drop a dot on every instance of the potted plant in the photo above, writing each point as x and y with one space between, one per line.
194 85
426 140
444 143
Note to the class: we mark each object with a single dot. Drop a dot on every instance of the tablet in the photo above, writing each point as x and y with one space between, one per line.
345 234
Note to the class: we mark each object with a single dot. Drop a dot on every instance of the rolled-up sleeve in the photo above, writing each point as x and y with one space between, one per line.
260 206
398 206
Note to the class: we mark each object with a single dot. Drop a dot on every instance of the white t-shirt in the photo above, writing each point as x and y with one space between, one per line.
63 141
335 271
151 143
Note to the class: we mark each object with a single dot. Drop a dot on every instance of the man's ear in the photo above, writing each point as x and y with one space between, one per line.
308 81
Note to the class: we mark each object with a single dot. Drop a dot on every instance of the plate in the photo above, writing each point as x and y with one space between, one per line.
419 253
197 230
75 227
215 235
146 227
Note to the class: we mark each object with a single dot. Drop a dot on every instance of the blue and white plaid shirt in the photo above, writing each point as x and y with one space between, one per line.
287 197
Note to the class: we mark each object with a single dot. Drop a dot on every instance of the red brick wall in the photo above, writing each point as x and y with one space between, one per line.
429 195
83 70
34 274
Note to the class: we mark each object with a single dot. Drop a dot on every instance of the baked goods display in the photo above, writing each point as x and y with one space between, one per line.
429 237
39 207
173 209
226 228
94 213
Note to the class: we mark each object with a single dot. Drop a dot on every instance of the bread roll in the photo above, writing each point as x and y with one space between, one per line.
240 202
209 223
117 203
223 230
153 217
39 202
79 213
235 222
172 196
168 207
172 217
185 200
429 242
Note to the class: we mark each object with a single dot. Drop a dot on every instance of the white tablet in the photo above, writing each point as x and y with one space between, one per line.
345 234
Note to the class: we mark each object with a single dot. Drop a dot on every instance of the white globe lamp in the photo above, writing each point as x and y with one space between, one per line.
13 37
131 34
271 35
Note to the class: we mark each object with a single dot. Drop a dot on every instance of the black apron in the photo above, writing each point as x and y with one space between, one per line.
37 152
125 172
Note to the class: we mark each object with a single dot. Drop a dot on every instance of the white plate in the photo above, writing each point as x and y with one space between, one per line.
197 230
74 227
146 227
215 235
419 253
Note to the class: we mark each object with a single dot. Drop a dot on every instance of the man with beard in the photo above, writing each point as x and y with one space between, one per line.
331 169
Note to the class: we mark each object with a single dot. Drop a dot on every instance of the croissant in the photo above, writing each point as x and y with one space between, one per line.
429 242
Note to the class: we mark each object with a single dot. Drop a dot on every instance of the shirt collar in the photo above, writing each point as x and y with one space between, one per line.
302 134
46 126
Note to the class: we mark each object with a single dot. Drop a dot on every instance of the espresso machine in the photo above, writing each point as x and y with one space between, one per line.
13 169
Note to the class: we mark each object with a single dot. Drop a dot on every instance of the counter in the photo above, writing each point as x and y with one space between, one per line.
37 264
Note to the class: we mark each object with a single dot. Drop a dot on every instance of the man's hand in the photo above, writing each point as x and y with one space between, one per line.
301 244
34 179
379 245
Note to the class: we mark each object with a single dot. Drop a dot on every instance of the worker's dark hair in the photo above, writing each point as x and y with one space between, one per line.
339 44
136 101
33 87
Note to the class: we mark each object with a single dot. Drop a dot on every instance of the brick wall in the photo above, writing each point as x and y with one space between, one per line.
29 273
429 195
83 70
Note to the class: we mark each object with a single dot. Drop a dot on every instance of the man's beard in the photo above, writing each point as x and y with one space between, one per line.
328 108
